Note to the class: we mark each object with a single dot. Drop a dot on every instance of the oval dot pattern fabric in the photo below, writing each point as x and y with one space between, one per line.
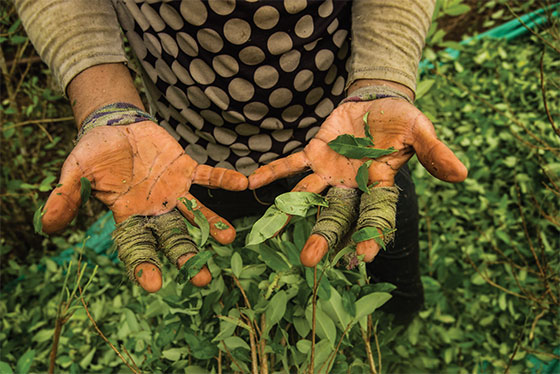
240 84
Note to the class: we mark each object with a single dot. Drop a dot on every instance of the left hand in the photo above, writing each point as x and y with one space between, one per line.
393 122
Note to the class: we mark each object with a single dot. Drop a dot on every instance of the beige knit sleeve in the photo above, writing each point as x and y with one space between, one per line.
72 35
387 39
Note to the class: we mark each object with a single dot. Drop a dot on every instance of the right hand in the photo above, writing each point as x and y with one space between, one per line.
139 170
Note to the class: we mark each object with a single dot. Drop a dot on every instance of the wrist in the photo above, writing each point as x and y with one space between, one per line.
390 85
99 86
114 114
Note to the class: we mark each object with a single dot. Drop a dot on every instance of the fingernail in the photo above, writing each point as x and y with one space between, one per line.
148 276
313 251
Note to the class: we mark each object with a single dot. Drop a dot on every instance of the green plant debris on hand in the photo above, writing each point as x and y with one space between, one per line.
193 266
221 225
199 219
85 190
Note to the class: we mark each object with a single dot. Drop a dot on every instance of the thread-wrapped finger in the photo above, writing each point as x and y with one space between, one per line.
136 246
378 209
172 234
336 219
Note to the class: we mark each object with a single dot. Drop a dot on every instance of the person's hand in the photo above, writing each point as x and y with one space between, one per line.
140 171
393 122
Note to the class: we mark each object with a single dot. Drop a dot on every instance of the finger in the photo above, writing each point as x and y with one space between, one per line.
220 178
64 201
202 278
436 157
311 183
378 209
277 169
220 228
136 246
333 223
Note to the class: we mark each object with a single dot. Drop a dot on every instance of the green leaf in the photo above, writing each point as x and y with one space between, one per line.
423 87
362 177
457 9
324 289
366 233
273 260
45 184
37 223
276 309
268 225
234 342
335 309
324 325
349 303
369 303
297 203
5 368
85 190
193 266
199 219
24 363
357 148
236 264
131 320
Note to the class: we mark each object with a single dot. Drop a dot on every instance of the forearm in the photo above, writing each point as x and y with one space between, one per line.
72 35
387 39
100 85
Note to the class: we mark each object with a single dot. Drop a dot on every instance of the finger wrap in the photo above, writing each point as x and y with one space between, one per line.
379 209
135 243
138 237
335 220
173 236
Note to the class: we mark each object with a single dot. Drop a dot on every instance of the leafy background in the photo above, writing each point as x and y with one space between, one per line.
489 246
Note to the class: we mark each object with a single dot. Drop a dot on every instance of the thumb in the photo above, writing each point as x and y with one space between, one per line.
64 201
435 156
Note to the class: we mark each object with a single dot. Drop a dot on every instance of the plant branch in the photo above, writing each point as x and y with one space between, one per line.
104 338
543 90
490 282
231 357
531 30
368 351
313 320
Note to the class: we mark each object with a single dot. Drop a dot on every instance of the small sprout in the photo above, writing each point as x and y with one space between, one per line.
139 274
59 185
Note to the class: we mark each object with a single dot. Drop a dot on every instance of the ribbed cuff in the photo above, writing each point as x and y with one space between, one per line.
369 93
